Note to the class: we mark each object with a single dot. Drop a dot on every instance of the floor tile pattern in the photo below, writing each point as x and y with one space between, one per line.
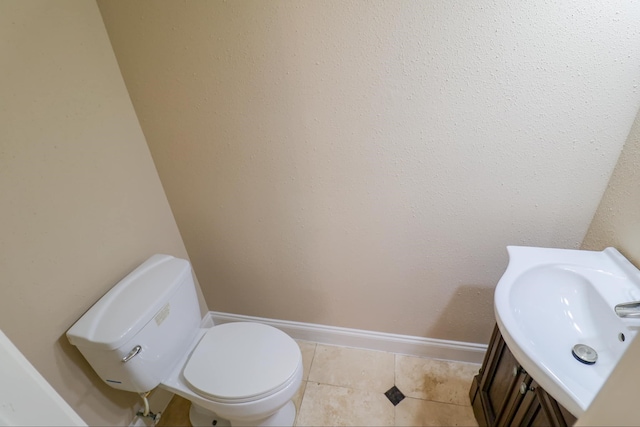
345 386
394 395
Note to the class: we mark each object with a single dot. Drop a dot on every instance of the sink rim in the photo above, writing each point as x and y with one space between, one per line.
523 259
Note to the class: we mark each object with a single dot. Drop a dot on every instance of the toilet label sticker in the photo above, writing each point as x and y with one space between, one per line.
162 314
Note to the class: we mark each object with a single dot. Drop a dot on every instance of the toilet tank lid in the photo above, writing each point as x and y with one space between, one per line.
134 301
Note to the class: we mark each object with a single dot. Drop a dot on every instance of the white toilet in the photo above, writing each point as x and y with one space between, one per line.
145 332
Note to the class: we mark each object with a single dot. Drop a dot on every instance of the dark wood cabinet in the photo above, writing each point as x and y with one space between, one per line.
503 394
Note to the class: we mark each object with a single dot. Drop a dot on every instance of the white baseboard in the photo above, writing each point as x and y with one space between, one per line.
370 340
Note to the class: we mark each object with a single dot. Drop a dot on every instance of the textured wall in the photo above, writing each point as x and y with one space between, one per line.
82 204
617 220
617 402
617 224
365 163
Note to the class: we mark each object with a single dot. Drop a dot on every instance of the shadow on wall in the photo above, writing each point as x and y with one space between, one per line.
467 303
71 361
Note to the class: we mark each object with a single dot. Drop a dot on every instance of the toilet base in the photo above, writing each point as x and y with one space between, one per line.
201 417
284 417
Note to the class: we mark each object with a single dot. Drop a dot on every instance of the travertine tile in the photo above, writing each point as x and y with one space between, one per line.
325 405
297 398
416 412
353 368
437 380
308 350
348 386
176 413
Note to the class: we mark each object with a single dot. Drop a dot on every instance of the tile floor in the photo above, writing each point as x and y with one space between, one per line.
346 387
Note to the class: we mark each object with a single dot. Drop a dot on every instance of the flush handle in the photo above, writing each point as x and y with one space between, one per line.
131 354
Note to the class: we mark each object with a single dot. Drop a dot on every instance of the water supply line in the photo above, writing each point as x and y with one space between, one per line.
146 413
146 403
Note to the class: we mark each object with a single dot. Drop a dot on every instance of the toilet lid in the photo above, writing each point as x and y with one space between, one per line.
241 360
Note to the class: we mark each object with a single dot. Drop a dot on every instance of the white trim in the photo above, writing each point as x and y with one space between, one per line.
370 340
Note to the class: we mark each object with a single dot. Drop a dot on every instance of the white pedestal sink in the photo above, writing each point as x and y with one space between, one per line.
549 300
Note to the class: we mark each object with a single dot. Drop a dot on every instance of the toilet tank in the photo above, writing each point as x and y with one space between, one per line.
139 329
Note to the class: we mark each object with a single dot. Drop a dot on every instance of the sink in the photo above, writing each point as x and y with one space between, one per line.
549 300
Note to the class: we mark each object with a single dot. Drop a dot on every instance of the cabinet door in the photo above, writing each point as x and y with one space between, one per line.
499 379
530 412
557 414
503 394
538 408
515 400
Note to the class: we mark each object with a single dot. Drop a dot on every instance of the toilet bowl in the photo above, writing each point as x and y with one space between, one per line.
244 373
145 332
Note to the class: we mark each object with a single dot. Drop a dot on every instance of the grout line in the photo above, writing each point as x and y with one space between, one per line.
313 359
395 369
299 409
395 379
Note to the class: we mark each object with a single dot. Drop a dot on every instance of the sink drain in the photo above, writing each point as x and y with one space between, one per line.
584 354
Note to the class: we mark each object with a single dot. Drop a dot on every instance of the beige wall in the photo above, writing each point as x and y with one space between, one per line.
82 204
617 223
308 189
365 163
617 403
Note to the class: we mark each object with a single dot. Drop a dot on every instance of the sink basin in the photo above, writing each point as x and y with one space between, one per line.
549 300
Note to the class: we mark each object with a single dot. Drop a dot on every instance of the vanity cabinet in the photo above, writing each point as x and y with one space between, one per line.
503 394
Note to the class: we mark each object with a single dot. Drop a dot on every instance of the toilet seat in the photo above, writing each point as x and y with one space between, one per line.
243 361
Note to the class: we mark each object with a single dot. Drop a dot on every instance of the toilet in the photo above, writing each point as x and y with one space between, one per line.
146 332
